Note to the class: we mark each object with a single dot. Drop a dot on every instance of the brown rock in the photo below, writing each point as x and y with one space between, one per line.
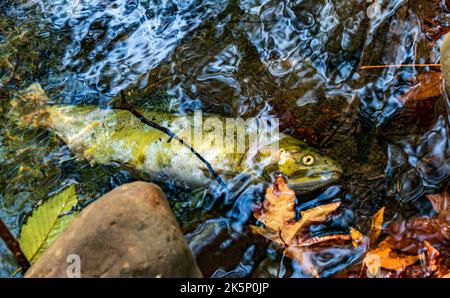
445 61
129 232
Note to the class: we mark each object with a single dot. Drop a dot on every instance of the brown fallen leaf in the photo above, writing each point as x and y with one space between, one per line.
431 254
278 207
278 212
440 202
409 236
410 241
428 85
446 276
291 231
390 259
375 228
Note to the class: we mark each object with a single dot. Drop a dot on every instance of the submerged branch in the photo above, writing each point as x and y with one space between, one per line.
398 65
13 246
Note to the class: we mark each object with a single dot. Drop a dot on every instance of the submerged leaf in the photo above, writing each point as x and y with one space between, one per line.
375 228
390 259
440 202
310 216
428 85
268 233
278 206
357 237
278 214
432 254
409 235
47 222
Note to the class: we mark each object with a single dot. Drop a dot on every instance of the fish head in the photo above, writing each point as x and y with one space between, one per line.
304 167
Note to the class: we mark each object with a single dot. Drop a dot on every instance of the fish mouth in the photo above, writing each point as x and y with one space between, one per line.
315 181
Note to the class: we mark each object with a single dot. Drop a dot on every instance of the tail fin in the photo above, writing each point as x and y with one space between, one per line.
28 108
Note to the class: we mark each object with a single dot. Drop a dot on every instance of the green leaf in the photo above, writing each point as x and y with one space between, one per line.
47 222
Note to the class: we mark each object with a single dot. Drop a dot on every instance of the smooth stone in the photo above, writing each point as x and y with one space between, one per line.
129 232
445 61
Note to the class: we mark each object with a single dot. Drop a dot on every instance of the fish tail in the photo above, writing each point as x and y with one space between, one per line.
29 107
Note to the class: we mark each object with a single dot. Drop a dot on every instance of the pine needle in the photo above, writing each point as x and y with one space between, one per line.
398 65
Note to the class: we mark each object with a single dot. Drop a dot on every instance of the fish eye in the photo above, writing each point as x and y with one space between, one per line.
308 160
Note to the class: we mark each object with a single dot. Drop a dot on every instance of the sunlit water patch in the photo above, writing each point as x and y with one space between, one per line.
298 61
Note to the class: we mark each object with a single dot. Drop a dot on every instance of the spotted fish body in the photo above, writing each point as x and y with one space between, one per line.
106 136
117 136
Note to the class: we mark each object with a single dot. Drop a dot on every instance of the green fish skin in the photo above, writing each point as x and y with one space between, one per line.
116 136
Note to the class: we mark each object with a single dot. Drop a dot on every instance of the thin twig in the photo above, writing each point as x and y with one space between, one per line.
398 65
14 246
376 177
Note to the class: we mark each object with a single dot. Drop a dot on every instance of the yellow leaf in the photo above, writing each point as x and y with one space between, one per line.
357 238
47 222
390 259
268 233
375 228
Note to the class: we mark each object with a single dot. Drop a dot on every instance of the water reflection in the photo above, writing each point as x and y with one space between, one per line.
114 43
286 59
427 158
324 262
289 38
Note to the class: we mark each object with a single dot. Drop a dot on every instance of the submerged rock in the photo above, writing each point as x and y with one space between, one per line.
129 232
445 61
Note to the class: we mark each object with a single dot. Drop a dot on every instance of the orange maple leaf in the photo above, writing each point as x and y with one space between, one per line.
384 256
388 258
278 215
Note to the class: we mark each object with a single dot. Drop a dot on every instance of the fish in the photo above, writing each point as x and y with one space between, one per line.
114 136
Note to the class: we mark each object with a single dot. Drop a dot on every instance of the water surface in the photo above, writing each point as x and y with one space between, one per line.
298 61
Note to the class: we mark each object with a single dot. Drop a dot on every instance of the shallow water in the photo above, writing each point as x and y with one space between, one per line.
298 61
